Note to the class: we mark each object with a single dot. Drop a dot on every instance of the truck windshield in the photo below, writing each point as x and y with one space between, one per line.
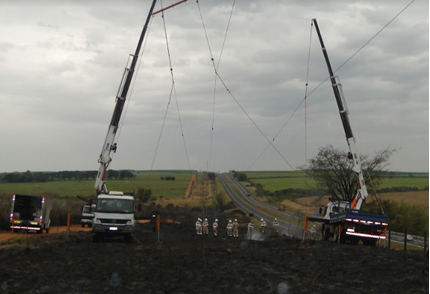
115 205
88 209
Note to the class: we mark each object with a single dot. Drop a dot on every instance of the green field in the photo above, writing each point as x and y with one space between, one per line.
85 188
278 180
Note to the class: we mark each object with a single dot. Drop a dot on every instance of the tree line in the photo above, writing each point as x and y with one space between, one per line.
42 177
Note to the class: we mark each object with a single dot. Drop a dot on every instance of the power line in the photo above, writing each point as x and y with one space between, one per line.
172 91
215 85
320 84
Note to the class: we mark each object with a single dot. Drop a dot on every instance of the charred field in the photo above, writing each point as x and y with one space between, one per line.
183 262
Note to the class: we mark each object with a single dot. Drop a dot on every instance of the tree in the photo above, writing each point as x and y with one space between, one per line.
211 176
332 169
144 194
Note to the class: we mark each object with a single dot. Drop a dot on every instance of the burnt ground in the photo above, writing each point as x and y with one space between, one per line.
187 263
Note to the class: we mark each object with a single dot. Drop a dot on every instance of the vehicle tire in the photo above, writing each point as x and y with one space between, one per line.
325 233
343 237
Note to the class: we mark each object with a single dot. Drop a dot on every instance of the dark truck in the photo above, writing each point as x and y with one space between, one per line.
30 213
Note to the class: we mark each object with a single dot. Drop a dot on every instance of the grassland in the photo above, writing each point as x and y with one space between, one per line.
278 180
85 188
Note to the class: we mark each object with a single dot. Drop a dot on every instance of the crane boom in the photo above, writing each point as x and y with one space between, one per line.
343 111
109 145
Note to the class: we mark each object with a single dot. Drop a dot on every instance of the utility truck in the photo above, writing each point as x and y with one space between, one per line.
343 220
114 216
87 215
114 213
30 213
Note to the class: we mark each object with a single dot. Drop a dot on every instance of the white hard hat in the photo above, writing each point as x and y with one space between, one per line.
216 219
261 219
235 220
276 219
206 219
229 220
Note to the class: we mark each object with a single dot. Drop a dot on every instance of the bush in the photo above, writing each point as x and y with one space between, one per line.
402 217
5 202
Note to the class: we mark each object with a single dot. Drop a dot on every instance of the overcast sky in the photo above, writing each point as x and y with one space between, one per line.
62 61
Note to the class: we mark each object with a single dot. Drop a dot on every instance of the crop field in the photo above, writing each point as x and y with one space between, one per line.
277 180
85 188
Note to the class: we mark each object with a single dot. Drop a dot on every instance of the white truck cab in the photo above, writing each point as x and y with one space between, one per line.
335 206
114 216
87 215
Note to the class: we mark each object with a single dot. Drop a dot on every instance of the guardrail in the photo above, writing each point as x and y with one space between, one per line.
416 238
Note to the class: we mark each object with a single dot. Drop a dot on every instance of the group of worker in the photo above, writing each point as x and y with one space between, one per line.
202 227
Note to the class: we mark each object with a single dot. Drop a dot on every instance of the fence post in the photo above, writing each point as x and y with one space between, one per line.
389 239
68 224
158 228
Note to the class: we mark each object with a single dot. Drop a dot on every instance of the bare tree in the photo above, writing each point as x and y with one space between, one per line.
332 169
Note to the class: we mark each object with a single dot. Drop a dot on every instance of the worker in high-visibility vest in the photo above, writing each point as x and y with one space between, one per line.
263 226
229 228
313 233
215 227
205 225
199 226
250 229
276 225
235 229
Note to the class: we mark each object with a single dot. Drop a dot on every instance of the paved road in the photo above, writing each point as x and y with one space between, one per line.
244 202
245 194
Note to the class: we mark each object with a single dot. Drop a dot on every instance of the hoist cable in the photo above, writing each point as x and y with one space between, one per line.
215 86
231 94
172 91
321 83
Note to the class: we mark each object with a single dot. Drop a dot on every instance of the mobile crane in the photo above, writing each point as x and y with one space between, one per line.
109 145
344 221
114 213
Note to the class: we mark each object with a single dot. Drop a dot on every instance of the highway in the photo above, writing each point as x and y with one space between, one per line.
244 203
245 195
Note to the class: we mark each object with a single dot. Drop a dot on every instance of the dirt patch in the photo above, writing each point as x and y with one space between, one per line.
310 205
7 235
187 263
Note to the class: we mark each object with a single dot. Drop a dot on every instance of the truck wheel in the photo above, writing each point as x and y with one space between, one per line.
325 233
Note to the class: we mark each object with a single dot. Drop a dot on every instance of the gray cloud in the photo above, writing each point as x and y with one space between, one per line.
62 64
